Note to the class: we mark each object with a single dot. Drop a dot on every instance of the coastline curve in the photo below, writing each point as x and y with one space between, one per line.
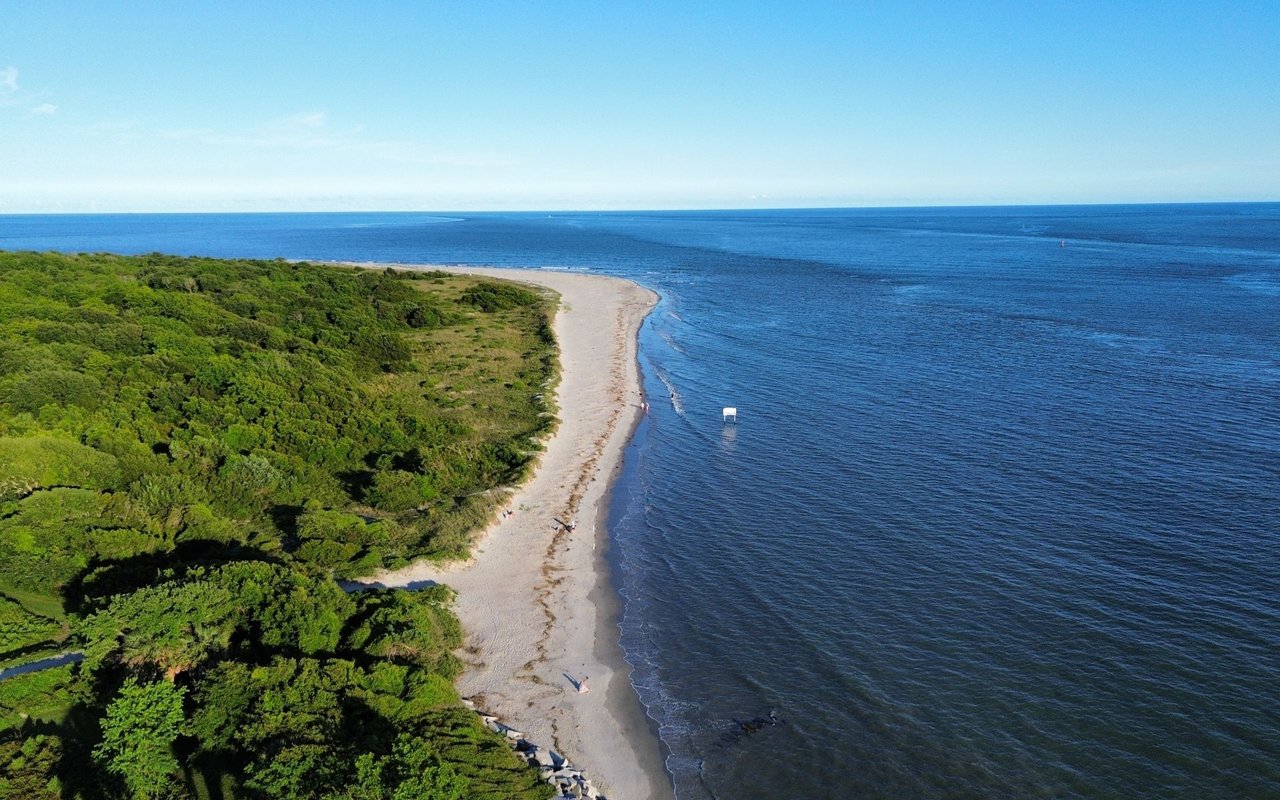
535 599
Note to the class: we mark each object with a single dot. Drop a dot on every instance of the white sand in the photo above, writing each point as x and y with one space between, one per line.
535 600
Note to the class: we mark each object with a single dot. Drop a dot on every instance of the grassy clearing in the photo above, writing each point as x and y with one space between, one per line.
490 376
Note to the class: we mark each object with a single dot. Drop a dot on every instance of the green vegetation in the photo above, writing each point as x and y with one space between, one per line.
138 734
20 629
192 452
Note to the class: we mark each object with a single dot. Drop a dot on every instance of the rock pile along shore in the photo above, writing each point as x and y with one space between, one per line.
555 769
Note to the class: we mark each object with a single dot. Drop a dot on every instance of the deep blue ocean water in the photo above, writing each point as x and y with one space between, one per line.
1000 517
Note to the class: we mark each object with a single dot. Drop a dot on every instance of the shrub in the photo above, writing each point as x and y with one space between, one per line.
491 297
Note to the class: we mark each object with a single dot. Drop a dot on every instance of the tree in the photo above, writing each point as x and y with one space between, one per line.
395 490
28 768
137 736
175 626
191 450
409 627
412 772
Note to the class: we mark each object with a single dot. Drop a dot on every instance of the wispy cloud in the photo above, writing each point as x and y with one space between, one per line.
16 100
313 119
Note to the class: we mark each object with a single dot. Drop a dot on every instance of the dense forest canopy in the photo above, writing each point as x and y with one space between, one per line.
191 452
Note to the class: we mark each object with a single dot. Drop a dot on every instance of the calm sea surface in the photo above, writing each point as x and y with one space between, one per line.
1000 517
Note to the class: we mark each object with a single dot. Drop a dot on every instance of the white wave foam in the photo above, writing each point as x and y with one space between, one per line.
677 403
671 342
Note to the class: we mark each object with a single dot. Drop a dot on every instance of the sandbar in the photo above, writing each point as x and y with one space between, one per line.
535 599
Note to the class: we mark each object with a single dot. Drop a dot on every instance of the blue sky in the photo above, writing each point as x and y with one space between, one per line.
542 105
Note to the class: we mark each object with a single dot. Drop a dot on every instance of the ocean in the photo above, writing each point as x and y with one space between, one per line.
1000 514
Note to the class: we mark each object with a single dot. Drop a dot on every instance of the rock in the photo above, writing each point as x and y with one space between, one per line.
555 769
567 774
541 757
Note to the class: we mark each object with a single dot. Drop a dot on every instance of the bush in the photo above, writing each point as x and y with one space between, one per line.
32 462
491 297
395 490
20 629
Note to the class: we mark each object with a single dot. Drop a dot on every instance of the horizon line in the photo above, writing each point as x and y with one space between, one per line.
653 210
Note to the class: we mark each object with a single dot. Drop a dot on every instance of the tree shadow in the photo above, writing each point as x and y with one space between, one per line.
356 483
360 585
21 654
286 519
365 726
77 733
90 590
211 768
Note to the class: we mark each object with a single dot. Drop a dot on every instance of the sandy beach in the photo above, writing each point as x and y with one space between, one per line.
535 599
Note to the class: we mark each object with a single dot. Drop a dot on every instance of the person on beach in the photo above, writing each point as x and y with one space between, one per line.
583 688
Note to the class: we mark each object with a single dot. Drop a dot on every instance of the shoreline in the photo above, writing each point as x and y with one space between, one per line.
537 602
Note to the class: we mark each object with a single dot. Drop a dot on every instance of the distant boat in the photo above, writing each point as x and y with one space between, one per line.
1062 243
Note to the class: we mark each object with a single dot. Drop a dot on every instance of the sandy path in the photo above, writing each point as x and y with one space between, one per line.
528 599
